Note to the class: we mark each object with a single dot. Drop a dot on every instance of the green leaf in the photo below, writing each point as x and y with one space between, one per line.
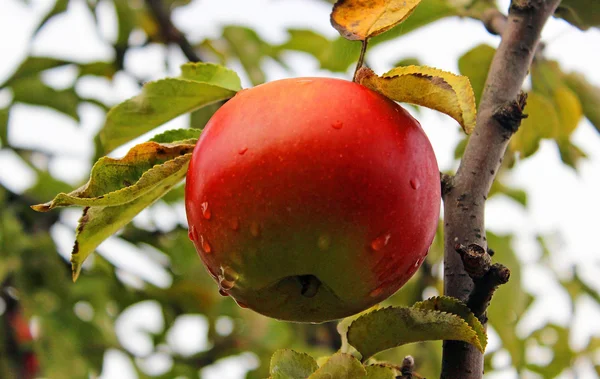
394 326
250 49
580 13
570 153
177 135
381 372
588 95
458 308
542 121
556 338
290 364
32 90
33 66
165 99
504 318
99 223
120 181
4 126
104 69
59 7
340 366
126 22
475 64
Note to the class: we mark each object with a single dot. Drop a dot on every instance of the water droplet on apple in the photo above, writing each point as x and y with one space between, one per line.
255 229
234 224
376 292
192 234
380 242
229 274
205 210
337 125
226 284
205 244
323 242
414 183
242 150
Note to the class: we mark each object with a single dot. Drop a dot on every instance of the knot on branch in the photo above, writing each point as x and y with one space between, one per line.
475 259
494 21
487 277
446 182
509 115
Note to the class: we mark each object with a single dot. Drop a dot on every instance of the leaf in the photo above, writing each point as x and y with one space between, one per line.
199 85
99 223
344 324
504 318
250 49
458 308
542 121
395 326
588 95
381 372
569 110
119 181
4 113
430 87
33 66
340 366
359 20
32 90
59 7
570 153
125 21
290 364
475 64
580 13
177 135
104 69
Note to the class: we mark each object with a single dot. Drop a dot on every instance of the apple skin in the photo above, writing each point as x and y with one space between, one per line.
312 199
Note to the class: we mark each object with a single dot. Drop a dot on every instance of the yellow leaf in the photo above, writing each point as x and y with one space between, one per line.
430 87
569 110
542 122
362 19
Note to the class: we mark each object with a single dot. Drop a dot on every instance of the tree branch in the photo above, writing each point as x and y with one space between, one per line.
169 32
465 194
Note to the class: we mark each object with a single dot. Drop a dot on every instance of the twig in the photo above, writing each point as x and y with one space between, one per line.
486 277
361 60
464 200
494 21
169 32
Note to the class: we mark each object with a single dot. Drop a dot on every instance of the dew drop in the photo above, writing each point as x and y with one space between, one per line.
225 284
234 224
376 292
242 151
414 183
229 274
192 234
205 210
380 242
337 125
255 229
323 242
205 245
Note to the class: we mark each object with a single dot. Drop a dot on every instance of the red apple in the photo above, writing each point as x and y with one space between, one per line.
312 199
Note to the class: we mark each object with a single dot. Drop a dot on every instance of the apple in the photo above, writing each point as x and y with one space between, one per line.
312 199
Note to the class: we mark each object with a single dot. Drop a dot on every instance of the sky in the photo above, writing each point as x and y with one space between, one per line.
562 202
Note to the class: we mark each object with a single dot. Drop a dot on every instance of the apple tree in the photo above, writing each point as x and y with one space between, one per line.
308 200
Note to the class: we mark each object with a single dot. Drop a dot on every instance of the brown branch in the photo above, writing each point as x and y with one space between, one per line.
169 32
466 193
486 277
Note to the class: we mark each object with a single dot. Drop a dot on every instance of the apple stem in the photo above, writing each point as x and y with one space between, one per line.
361 58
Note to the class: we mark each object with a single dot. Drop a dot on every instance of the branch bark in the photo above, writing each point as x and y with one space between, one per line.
465 194
169 32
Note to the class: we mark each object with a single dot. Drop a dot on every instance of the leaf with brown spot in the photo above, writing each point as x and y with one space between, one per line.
429 87
119 181
362 19
100 222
